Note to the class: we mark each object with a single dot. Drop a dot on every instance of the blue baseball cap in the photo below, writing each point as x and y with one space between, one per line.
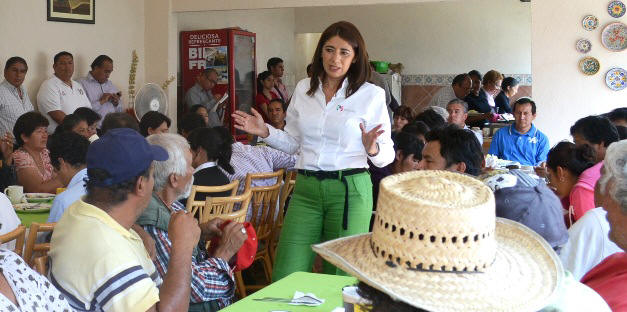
124 154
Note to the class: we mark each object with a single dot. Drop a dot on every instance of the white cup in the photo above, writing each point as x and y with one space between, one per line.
15 193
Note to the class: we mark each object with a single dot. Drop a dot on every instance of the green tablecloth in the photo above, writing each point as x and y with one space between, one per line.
29 217
328 287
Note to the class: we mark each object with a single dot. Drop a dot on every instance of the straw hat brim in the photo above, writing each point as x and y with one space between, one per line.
525 275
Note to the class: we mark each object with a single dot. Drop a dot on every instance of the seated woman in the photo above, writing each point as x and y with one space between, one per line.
276 113
200 110
491 86
402 116
509 88
154 122
210 150
93 121
265 84
189 123
565 163
74 123
22 289
32 158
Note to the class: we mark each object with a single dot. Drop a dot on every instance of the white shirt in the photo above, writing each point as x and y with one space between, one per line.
208 164
477 134
588 243
443 97
8 219
328 134
489 97
54 95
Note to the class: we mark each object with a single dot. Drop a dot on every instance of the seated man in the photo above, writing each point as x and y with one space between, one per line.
212 285
618 116
522 141
61 95
119 120
452 149
457 114
97 261
68 151
609 278
276 113
459 89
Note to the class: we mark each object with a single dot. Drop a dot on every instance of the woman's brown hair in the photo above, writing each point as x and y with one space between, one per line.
492 77
359 71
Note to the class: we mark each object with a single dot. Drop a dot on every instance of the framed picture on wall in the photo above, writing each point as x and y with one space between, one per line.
73 11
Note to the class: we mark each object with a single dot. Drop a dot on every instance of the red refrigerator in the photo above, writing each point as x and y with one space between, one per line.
231 52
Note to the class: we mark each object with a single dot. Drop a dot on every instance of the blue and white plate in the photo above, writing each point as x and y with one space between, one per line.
616 79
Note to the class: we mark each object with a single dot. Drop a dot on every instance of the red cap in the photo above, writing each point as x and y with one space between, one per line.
246 254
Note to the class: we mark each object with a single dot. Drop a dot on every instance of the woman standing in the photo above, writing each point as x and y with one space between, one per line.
338 121
265 84
509 88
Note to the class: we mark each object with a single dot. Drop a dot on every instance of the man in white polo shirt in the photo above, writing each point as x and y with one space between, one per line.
60 95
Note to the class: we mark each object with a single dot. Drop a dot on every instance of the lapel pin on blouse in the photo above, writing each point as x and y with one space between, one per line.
340 108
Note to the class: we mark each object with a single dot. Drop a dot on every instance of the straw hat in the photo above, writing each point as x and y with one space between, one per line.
437 245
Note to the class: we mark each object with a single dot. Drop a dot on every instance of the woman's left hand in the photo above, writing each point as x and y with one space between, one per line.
369 139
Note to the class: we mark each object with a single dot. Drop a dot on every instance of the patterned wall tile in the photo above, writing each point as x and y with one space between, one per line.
447 79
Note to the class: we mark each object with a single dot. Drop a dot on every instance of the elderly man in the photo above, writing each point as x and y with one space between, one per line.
14 101
104 97
522 141
453 149
457 114
97 261
609 278
201 93
60 95
459 89
212 285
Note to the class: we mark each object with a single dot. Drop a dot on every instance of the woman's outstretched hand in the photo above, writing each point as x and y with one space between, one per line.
252 124
369 139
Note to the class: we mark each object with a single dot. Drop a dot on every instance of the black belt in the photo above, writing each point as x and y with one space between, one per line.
336 175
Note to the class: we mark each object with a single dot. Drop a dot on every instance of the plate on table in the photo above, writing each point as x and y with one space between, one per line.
39 197
583 46
590 22
616 9
614 36
32 207
589 65
616 79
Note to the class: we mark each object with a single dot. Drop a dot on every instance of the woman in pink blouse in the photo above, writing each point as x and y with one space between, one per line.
565 163
32 158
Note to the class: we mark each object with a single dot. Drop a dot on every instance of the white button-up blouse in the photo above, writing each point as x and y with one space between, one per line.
327 135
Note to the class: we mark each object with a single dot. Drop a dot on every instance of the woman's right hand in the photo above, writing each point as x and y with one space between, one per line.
252 124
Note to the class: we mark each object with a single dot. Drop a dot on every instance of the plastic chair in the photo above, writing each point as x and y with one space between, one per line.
18 235
193 205
32 247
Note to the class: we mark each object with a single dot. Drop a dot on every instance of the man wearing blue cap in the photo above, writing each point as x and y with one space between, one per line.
97 261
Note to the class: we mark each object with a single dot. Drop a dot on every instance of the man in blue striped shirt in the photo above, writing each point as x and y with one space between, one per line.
522 141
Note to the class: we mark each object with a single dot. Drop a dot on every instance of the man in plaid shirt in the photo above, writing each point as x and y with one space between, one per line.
212 283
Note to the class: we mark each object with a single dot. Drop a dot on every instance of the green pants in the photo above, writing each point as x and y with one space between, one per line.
315 215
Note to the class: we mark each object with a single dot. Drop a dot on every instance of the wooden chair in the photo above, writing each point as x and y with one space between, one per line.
265 200
18 235
41 265
222 207
286 191
193 205
32 247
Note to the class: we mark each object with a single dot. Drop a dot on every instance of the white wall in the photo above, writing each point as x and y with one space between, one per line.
562 92
204 5
437 37
274 29
118 30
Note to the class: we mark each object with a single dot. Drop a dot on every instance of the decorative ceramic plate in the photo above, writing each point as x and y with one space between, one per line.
616 79
614 36
32 207
590 22
589 65
583 46
616 9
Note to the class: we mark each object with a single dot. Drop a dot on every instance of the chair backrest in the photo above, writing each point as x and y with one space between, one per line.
286 191
41 265
18 235
193 205
223 207
265 201
34 248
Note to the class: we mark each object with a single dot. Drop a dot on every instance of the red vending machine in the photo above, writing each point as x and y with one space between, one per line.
231 52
